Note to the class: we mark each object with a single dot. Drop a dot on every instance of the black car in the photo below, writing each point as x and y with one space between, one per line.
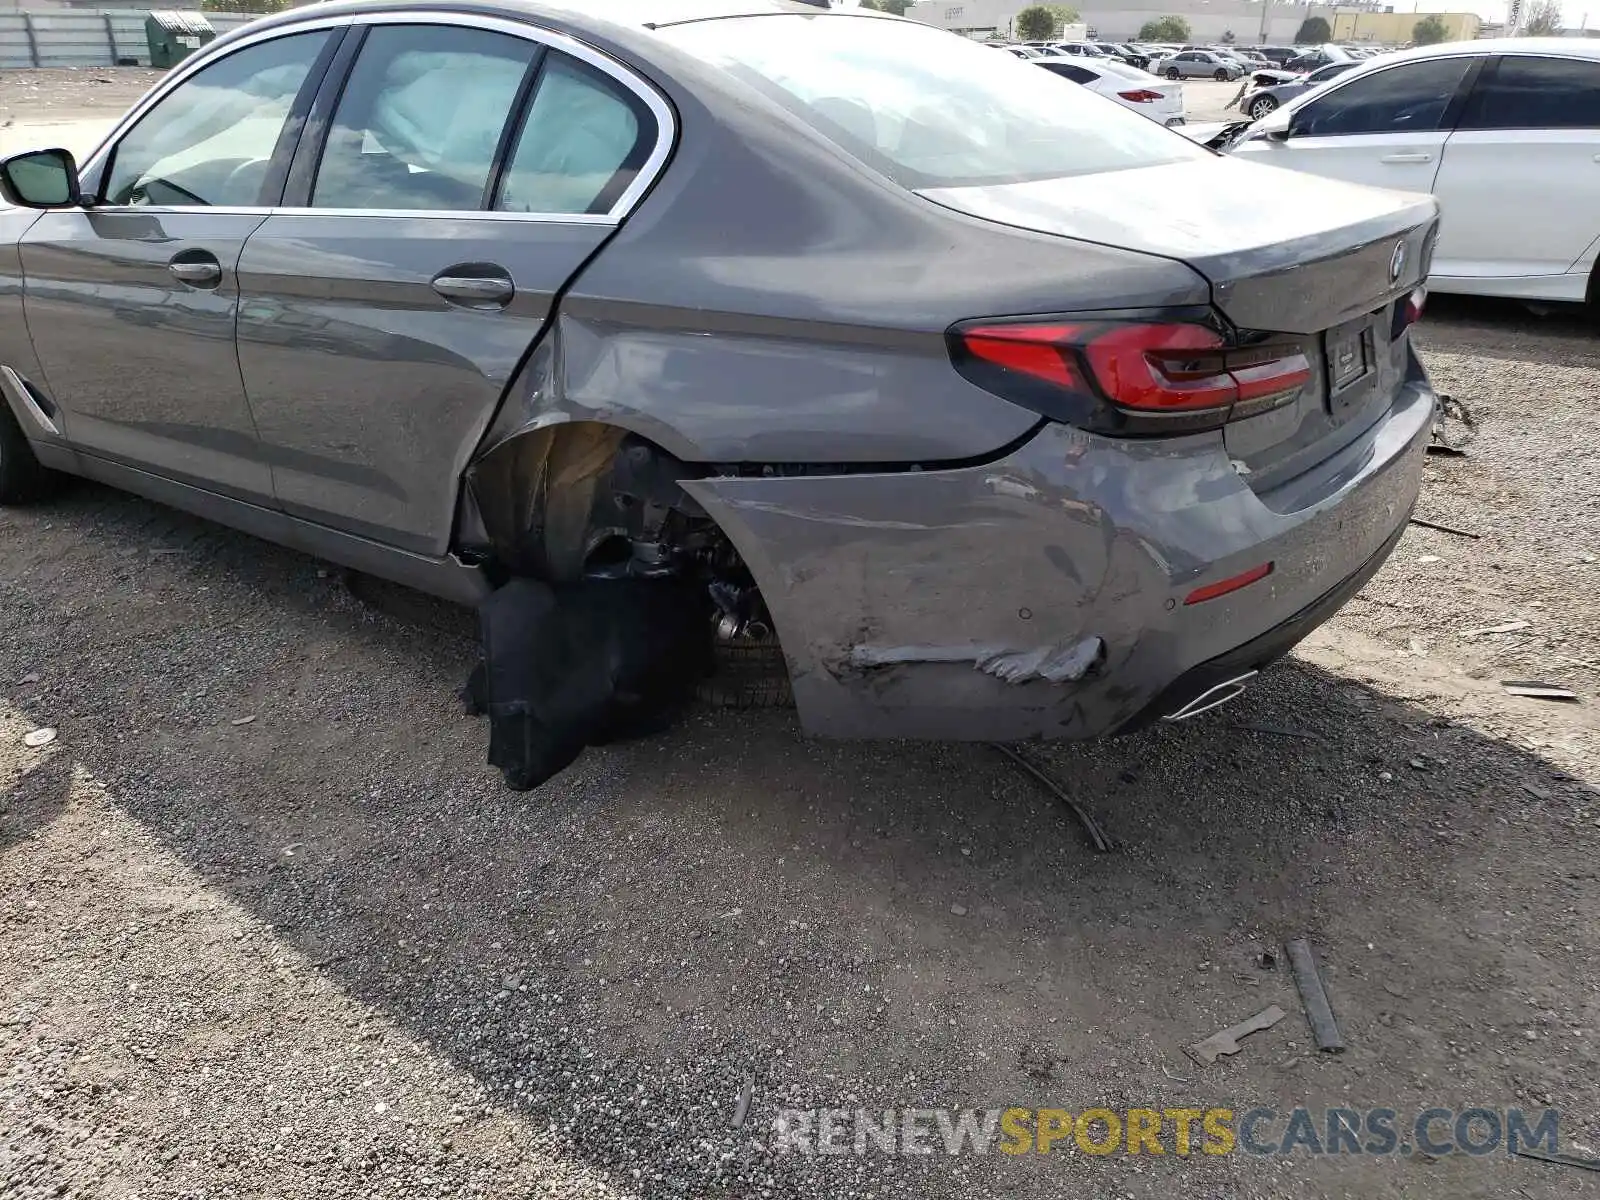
1277 54
1126 53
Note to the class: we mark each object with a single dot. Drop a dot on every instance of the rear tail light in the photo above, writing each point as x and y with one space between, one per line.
1129 377
1141 95
1408 312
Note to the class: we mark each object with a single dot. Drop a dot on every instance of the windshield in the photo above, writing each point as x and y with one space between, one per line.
927 108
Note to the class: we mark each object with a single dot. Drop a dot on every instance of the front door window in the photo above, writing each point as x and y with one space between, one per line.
211 140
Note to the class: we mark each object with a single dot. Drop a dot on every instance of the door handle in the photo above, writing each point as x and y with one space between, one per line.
483 291
197 268
1419 156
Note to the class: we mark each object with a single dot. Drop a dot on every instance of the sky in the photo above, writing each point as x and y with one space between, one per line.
1573 11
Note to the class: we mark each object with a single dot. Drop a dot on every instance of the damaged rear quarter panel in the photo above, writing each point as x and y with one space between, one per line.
997 601
773 300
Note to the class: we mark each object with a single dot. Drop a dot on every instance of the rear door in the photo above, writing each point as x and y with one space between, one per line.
1385 129
131 302
442 196
1539 115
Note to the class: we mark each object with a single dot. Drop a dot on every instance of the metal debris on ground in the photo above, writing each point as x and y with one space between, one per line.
741 1106
1454 430
1466 533
31 677
1319 1013
1535 690
38 739
1278 731
1103 841
1227 1042
1557 1159
242 720
1503 627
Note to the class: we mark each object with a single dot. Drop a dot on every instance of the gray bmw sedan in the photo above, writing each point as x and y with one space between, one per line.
1007 412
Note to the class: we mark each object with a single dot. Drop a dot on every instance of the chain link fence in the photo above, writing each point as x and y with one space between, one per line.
62 38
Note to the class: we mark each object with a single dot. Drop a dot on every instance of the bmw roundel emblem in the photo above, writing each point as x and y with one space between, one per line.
1397 261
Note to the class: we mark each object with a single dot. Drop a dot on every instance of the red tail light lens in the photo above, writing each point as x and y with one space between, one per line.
1129 376
1140 96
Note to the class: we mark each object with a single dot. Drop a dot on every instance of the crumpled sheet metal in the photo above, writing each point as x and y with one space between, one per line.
1053 664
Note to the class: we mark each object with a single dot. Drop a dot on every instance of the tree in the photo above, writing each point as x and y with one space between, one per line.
1035 24
1313 32
1165 29
1227 37
1429 31
1544 19
1064 14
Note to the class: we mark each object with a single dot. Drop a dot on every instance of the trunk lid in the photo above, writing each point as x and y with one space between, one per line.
1290 258
1283 250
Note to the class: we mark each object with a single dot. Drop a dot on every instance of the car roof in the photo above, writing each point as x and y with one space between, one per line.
1566 47
638 14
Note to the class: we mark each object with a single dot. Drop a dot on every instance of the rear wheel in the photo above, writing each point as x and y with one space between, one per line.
1220 75
22 479
1260 107
1174 73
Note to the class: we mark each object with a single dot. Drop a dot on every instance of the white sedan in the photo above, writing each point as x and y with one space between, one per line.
1129 86
1506 133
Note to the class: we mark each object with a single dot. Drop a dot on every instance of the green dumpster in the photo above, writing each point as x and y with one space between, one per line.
175 35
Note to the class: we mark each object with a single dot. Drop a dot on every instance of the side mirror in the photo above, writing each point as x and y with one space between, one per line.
40 179
1276 125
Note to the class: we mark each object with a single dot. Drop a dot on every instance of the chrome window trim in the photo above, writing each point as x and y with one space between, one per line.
665 118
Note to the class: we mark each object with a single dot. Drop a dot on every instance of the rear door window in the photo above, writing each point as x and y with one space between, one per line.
1072 71
420 119
924 108
1527 92
583 141
1412 98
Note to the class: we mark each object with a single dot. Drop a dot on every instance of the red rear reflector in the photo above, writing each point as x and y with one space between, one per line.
1212 590
1141 96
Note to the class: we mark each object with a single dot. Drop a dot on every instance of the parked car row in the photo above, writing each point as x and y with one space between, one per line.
1454 120
1129 86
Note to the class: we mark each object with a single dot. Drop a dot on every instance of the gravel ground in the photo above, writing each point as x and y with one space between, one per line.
269 927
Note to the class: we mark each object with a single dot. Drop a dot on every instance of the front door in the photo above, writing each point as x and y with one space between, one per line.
1519 187
1385 129
131 301
462 177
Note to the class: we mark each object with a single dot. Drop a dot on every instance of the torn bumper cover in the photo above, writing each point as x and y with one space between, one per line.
1042 595
583 664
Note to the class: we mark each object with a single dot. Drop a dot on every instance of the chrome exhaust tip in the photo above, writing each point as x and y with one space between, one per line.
1213 697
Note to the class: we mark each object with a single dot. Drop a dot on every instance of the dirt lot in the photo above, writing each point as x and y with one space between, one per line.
269 927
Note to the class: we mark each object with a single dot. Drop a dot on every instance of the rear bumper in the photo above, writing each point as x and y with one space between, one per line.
1042 595
1203 681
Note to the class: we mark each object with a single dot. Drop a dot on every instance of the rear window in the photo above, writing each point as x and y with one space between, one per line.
927 108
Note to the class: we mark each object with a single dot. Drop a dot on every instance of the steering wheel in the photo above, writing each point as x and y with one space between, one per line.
240 177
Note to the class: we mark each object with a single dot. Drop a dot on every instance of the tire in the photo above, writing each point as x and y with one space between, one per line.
22 479
1174 73
1220 75
1260 107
